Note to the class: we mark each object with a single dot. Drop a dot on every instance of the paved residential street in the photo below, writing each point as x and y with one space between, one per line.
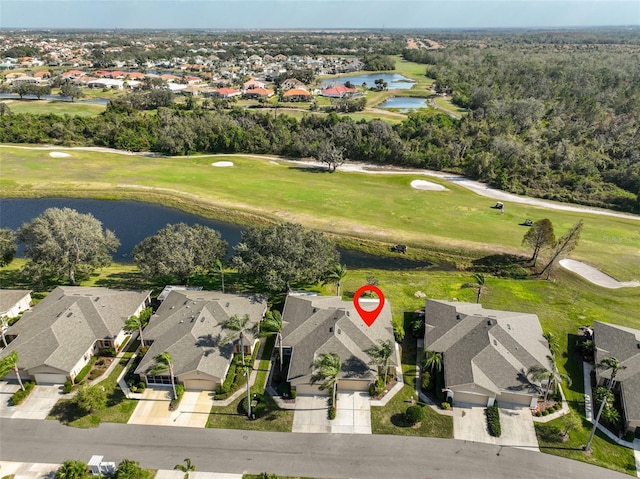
311 455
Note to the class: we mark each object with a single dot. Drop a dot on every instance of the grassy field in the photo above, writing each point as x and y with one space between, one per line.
58 107
382 208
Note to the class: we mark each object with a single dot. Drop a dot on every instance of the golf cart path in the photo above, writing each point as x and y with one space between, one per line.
475 186
595 275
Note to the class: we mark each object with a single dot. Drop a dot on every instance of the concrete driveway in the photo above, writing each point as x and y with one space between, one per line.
353 415
37 406
311 414
153 408
470 424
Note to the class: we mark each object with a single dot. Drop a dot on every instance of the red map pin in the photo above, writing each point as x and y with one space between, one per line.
368 317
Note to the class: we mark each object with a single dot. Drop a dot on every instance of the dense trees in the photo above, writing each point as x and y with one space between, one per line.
378 62
179 250
8 246
63 242
274 257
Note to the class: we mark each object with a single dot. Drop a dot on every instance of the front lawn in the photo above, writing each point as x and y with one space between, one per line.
603 453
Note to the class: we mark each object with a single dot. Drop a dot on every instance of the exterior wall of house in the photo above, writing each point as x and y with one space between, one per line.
119 339
47 375
515 398
19 307
199 381
354 384
82 362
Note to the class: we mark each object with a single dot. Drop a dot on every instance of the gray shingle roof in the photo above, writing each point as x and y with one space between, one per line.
187 325
623 344
313 325
10 297
58 330
490 348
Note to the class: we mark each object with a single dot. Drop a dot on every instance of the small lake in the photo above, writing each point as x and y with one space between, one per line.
394 80
404 103
133 221
13 96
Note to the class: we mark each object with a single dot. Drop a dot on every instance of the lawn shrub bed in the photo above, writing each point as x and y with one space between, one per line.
493 420
19 396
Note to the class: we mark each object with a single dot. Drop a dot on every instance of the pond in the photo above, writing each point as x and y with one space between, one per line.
404 103
394 80
133 221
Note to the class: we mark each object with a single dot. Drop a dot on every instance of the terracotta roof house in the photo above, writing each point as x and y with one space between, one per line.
485 353
60 334
251 84
136 76
338 91
297 94
258 93
188 325
313 325
227 92
14 301
623 344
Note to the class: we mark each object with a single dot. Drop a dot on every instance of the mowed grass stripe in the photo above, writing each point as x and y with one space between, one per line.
381 207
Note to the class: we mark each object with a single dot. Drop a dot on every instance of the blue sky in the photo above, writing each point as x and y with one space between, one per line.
257 14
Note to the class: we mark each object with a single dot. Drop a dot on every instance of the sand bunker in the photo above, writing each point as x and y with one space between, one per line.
595 275
222 163
427 185
58 154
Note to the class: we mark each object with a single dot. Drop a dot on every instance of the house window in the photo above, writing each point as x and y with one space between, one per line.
162 380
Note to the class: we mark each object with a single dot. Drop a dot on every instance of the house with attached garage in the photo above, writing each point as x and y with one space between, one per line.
188 325
313 325
486 353
623 344
59 335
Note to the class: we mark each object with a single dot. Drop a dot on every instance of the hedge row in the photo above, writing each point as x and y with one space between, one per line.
493 420
21 395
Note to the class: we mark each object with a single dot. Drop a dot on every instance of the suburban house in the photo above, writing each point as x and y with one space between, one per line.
485 353
13 302
338 91
623 344
188 325
227 92
258 93
313 325
59 335
297 94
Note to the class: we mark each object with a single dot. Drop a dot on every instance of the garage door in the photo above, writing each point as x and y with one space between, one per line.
199 385
50 378
310 389
351 385
514 398
470 398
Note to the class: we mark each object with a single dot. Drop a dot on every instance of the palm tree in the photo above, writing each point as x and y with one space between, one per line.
552 376
133 323
336 275
71 470
238 325
272 325
381 355
247 372
164 363
479 285
220 269
553 342
432 361
608 363
326 369
187 467
10 363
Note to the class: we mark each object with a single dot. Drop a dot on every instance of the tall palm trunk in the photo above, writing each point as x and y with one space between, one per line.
279 337
15 368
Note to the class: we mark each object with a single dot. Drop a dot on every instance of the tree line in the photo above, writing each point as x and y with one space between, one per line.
64 245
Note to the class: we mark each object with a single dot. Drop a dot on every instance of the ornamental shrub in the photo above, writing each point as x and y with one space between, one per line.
493 420
21 395
445 405
68 386
413 414
426 382
332 412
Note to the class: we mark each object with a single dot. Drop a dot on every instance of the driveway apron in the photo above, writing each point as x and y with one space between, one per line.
153 409
470 424
311 414
353 415
37 405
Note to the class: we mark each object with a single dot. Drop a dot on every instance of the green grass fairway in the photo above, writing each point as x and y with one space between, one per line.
377 207
59 107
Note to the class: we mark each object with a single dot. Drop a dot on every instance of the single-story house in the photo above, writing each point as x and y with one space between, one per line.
59 335
486 353
227 92
188 325
251 84
338 91
297 94
258 93
623 344
313 325
13 302
290 83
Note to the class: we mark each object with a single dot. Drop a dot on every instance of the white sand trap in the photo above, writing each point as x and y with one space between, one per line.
58 154
595 275
222 163
427 185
